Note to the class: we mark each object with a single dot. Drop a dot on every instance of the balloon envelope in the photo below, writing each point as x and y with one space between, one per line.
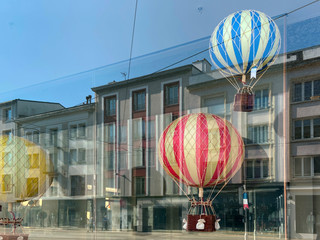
201 150
244 40
24 169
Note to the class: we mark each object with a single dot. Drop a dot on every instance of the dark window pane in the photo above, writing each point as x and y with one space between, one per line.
139 102
316 162
172 94
307 90
298 129
297 92
316 127
265 168
249 169
257 169
297 167
257 99
265 98
316 88
306 129
111 106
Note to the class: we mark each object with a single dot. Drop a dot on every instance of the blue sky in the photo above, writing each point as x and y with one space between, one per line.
43 41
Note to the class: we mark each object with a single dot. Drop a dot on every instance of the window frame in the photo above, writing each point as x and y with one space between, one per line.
302 128
167 92
265 135
302 90
261 167
302 167
135 104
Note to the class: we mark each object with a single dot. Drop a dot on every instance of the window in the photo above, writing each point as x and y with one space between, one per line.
138 129
9 134
258 134
261 99
258 168
308 166
36 137
138 157
81 156
6 185
139 100
7 113
110 106
139 184
110 133
82 130
7 159
122 160
151 157
73 131
34 160
77 131
109 160
54 159
172 94
32 187
29 136
305 90
73 156
215 105
306 128
151 129
123 134
53 140
77 185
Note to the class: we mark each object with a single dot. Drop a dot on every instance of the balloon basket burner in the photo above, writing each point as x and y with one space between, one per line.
209 225
243 102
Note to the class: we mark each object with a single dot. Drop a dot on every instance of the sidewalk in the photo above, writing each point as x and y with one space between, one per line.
71 233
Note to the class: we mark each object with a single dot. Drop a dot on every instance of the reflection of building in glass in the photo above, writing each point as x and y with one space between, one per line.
105 154
68 137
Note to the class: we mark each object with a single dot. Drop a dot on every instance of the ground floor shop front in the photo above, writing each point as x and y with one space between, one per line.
147 214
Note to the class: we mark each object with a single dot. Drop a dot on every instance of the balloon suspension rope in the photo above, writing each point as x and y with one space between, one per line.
182 189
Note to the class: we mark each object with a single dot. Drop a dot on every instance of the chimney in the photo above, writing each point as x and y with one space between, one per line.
203 65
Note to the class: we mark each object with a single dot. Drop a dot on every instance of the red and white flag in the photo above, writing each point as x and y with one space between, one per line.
245 201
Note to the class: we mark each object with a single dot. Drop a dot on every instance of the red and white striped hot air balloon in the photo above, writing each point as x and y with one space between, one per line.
201 150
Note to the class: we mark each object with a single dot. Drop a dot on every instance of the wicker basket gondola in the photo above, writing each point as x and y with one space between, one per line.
243 102
209 225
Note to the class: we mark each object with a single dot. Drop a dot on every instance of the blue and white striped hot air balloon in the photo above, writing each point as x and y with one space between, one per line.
244 41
